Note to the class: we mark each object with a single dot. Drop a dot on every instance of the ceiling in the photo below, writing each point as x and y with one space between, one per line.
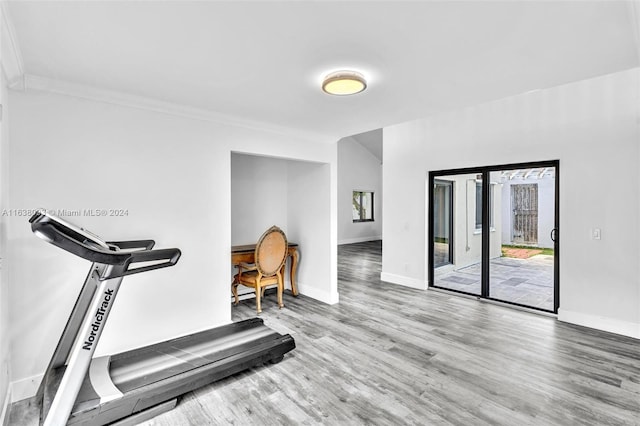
263 61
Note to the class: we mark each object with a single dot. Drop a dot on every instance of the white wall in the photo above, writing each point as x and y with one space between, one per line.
311 211
173 175
258 196
592 128
5 338
358 170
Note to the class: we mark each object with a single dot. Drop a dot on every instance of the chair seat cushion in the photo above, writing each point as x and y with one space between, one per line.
251 277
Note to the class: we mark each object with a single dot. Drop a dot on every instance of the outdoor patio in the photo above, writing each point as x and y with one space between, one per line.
523 281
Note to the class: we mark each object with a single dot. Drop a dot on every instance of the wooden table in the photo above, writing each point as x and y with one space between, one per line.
246 253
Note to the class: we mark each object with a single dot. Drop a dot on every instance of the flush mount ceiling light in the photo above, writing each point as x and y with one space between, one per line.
343 83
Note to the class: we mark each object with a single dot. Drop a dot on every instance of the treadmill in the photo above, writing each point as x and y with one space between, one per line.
133 386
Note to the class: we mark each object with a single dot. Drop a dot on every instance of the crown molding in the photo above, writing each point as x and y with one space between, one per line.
45 84
12 64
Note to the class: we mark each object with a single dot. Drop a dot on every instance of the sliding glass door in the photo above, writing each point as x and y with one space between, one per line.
494 233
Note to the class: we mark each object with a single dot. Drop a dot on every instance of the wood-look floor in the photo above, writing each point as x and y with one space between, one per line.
389 355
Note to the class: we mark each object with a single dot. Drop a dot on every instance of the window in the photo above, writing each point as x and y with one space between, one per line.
479 204
362 206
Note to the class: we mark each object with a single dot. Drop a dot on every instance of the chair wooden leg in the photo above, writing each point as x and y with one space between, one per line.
258 307
280 290
234 290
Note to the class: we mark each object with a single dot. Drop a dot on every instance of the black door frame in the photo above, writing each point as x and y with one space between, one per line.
486 185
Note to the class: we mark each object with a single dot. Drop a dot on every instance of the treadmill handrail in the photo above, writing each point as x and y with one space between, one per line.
88 246
157 259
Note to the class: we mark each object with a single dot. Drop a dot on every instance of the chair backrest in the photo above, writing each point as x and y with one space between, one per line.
271 251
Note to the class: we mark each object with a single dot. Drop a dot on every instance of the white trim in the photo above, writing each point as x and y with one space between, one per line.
359 240
12 64
611 325
329 298
4 414
25 388
404 281
66 88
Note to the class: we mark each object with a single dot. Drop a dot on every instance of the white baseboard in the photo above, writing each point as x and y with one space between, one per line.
329 298
611 325
25 388
4 414
359 240
404 281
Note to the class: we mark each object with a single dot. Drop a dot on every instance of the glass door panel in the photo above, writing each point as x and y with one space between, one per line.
457 232
521 238
443 222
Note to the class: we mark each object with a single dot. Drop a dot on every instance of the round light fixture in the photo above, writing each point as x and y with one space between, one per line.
343 83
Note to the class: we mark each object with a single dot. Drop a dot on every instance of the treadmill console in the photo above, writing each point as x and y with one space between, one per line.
79 233
126 257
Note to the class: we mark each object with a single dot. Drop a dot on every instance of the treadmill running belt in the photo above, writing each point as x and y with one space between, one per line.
170 360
